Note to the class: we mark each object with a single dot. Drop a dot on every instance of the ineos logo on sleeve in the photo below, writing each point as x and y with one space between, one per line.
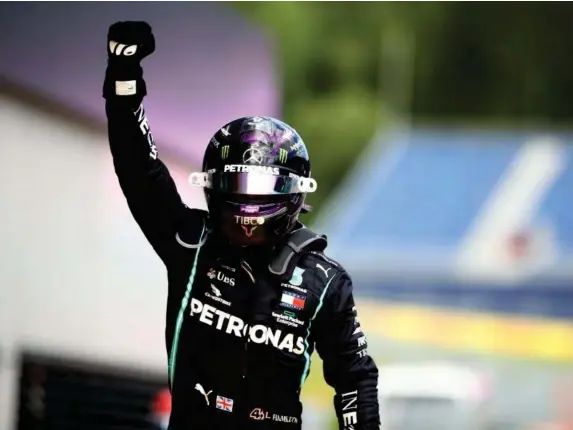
122 49
253 155
349 402
144 127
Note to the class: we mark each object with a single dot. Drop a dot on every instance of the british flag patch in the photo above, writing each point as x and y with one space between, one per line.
224 404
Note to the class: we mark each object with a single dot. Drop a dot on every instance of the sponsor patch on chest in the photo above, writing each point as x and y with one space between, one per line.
288 318
258 333
293 300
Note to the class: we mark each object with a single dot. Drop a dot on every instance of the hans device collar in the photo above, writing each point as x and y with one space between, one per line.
298 242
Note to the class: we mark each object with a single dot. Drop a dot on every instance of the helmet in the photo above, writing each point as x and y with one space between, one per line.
256 173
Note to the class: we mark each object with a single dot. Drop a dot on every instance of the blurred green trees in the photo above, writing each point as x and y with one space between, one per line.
344 64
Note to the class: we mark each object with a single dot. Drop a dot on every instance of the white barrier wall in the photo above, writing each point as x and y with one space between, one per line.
76 274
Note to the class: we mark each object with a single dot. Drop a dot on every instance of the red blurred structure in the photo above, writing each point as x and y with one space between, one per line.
161 409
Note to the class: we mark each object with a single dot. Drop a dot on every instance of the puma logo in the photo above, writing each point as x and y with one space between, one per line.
319 266
201 390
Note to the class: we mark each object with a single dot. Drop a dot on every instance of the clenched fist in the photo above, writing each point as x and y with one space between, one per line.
128 42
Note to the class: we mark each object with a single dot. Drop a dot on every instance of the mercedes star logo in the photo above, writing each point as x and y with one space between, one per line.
253 156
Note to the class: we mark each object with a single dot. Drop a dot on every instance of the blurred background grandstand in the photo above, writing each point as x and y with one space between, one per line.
442 140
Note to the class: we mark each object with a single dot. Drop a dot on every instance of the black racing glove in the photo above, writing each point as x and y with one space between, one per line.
128 42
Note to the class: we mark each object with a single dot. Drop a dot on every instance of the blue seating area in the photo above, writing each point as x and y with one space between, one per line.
417 204
434 195
435 189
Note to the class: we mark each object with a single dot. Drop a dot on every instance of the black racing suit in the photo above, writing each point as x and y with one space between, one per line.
238 339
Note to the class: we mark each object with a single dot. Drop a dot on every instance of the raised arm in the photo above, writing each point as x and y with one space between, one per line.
145 181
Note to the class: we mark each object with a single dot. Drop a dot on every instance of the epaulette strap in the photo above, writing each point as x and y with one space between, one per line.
300 241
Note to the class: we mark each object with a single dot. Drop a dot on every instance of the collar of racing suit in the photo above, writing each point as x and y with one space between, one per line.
278 258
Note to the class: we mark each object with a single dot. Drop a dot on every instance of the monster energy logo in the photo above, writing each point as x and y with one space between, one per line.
225 152
283 153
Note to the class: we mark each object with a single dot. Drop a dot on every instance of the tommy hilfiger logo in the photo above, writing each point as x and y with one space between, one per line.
292 300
